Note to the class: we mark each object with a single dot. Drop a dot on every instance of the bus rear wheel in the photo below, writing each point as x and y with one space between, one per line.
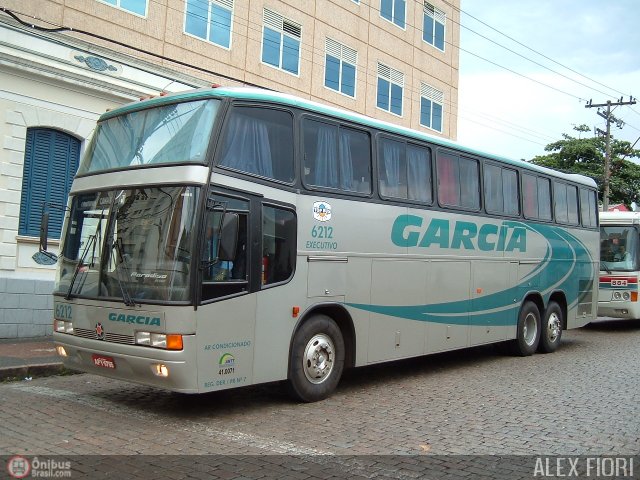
551 328
528 336
317 359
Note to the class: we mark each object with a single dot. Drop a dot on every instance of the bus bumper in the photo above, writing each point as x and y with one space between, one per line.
133 363
611 309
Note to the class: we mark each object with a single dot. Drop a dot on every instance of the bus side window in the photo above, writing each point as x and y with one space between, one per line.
278 244
225 276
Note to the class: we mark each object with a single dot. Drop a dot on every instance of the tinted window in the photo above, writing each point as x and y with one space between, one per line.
405 171
223 274
278 244
458 181
560 202
544 198
566 203
259 141
588 209
336 157
536 196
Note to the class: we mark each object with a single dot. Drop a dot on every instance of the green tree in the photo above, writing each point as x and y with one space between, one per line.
585 155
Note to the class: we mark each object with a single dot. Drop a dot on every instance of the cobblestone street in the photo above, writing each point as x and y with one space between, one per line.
581 400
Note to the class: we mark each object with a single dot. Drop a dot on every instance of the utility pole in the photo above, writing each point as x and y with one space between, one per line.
608 116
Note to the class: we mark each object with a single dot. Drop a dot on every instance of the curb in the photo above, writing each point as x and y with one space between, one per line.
13 374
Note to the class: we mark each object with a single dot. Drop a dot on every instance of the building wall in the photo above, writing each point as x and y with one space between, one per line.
66 80
358 25
48 85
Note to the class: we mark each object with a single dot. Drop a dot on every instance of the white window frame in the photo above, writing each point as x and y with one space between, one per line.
438 17
434 96
393 14
117 5
279 23
395 77
345 55
229 5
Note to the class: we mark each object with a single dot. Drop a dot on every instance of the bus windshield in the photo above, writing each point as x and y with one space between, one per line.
135 245
619 248
175 133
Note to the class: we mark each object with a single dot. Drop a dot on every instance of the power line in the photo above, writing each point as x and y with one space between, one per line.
365 71
531 49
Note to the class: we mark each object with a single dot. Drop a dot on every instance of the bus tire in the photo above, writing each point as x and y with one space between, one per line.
316 359
528 336
551 333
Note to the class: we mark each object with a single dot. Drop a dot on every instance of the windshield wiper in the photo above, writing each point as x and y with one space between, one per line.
604 267
92 241
121 269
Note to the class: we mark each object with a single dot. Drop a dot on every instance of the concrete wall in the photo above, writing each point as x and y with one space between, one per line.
26 307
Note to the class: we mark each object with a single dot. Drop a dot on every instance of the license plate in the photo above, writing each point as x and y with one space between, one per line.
103 361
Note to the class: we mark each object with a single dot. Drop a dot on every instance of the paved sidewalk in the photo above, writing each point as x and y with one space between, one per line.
22 358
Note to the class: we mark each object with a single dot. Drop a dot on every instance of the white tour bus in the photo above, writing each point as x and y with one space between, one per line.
619 264
232 236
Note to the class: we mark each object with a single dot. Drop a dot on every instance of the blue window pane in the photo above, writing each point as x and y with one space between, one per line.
437 117
196 22
271 47
396 99
427 29
425 112
439 37
111 2
383 94
220 31
135 6
332 73
399 13
291 54
349 79
386 9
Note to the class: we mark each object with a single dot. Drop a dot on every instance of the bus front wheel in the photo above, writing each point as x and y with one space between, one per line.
317 359
528 336
551 329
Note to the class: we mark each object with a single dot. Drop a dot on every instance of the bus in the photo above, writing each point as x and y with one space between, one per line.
232 236
619 265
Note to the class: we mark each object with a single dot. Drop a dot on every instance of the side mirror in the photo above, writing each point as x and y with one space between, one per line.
42 257
44 231
229 237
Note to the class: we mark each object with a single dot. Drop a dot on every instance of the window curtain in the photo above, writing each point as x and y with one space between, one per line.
530 196
346 162
247 146
447 179
391 152
418 174
326 164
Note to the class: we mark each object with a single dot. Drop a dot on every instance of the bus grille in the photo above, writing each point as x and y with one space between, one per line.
108 337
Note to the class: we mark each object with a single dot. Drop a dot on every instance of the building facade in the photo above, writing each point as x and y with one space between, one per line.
64 62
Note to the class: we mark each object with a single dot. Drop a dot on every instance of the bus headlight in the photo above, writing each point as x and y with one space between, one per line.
617 295
61 326
160 370
159 340
626 296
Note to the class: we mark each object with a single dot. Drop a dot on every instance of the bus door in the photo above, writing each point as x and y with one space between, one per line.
225 317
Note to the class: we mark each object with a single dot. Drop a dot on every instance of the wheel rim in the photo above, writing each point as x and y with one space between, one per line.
553 327
319 358
530 329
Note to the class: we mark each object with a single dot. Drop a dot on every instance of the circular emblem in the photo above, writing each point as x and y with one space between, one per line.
322 211
18 467
99 331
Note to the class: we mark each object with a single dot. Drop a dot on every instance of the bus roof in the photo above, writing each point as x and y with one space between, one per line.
263 95
622 218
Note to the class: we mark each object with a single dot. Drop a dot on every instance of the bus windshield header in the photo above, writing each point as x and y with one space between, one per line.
170 134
